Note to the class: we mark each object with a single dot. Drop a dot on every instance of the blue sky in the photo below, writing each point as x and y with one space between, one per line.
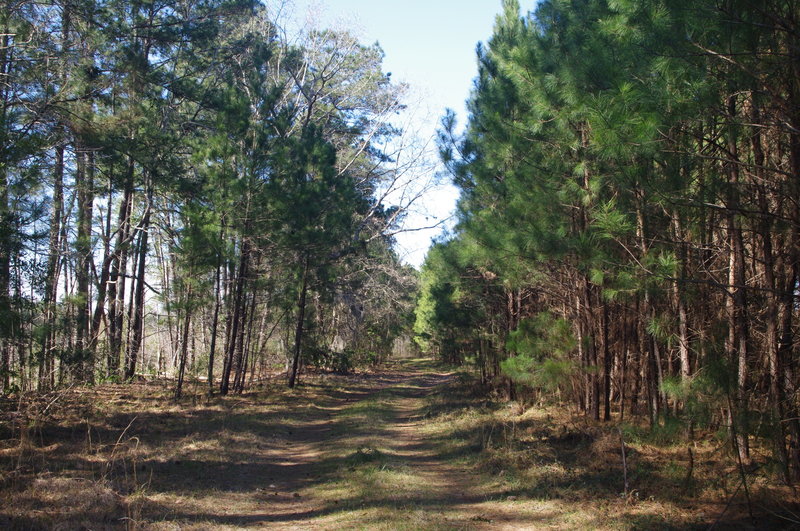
429 44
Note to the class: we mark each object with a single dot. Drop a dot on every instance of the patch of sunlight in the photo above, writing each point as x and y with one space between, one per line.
371 478
391 519
194 446
368 410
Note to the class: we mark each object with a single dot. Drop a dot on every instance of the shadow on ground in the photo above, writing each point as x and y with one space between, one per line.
370 451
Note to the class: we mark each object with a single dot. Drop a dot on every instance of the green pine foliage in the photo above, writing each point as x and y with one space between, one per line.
626 169
174 177
540 352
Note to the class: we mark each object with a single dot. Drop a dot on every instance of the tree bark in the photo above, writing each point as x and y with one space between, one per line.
298 335
215 322
606 366
737 341
187 323
137 324
117 275
237 320
84 182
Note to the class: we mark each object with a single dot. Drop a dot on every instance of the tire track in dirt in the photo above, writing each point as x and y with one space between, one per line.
400 393
430 492
341 452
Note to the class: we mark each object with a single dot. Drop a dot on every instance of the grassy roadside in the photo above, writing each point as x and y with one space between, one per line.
551 462
128 457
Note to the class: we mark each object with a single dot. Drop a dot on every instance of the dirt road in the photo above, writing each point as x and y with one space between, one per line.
354 452
392 449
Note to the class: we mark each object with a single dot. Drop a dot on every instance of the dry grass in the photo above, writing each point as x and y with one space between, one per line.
404 448
553 459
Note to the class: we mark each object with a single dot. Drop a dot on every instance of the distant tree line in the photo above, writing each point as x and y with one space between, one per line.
629 231
187 188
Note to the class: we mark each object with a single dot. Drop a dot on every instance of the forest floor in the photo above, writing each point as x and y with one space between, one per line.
405 447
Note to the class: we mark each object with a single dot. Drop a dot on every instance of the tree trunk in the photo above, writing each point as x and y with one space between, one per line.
606 366
56 240
298 335
137 324
103 288
6 227
116 282
47 365
680 303
214 324
771 339
243 348
237 320
187 323
788 300
737 341
84 182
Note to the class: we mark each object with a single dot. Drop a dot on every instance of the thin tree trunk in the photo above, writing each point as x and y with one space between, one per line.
47 366
625 352
636 360
788 301
137 325
243 348
116 284
84 177
591 347
737 341
680 303
46 376
228 273
6 61
215 322
771 339
237 320
606 367
250 344
102 287
298 335
187 323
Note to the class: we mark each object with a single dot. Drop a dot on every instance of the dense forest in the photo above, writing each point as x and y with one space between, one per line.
190 188
200 202
629 222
